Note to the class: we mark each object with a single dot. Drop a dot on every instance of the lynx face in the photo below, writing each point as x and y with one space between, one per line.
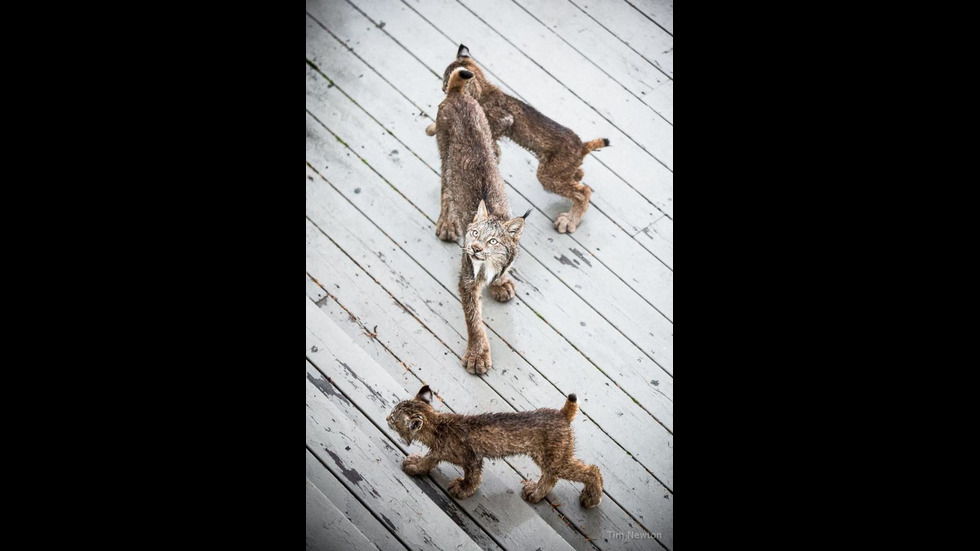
491 244
408 417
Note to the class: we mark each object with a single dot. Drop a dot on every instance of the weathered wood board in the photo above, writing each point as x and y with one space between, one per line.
352 509
327 528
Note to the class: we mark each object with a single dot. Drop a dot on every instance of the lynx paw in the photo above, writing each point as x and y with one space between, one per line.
447 231
412 464
528 492
459 489
430 130
565 223
477 361
502 291
590 497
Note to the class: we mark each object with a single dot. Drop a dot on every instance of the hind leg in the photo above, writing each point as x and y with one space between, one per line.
564 182
535 491
577 471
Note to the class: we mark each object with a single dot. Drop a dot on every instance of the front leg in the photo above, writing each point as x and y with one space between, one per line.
462 488
502 289
416 464
447 226
476 360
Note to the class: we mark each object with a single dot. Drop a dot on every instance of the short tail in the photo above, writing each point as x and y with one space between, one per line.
570 408
458 79
597 143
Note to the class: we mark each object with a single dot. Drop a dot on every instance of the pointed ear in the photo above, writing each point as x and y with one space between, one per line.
481 212
415 423
425 394
515 227
462 52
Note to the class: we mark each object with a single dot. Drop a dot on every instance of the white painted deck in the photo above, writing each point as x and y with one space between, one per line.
594 311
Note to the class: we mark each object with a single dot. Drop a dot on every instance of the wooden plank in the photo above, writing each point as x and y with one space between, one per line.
377 52
635 28
502 514
349 506
602 49
375 477
514 379
451 23
661 11
572 258
327 528
585 80
413 353
659 240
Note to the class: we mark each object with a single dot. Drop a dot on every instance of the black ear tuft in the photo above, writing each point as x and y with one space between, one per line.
526 213
466 74
425 394
463 51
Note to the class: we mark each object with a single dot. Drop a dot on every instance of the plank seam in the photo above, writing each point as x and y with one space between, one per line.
654 64
355 496
652 20
597 66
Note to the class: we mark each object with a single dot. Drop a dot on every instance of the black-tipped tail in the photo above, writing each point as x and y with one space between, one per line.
597 143
570 408
458 80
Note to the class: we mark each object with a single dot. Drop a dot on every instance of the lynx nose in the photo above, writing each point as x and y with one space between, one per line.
476 247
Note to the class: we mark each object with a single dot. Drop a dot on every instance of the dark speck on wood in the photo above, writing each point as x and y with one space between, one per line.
357 190
564 260
581 256
349 474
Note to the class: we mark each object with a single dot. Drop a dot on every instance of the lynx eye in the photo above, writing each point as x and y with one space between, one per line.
493 241
475 233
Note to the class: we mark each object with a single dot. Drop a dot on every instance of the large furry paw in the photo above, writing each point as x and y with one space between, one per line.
565 223
590 497
412 464
430 130
459 489
477 360
527 493
502 291
446 230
